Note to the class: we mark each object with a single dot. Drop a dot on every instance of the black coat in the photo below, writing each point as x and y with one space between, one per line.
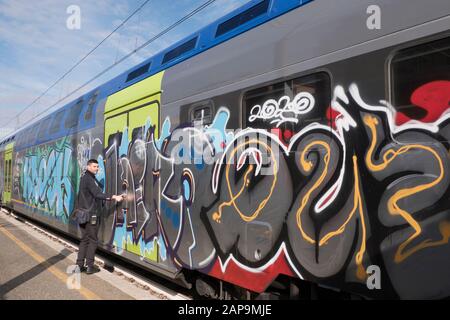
91 195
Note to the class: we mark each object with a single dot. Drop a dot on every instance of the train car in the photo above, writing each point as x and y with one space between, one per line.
6 152
289 146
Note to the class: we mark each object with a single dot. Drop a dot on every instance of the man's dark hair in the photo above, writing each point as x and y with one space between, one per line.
92 161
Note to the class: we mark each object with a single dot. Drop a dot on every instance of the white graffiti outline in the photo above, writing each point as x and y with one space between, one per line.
194 242
208 259
275 111
390 111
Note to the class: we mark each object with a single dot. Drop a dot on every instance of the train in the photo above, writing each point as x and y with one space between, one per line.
290 148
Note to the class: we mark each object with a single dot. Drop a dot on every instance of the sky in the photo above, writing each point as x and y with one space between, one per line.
37 47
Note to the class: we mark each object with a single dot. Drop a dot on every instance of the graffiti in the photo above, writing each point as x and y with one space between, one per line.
404 185
284 110
368 188
49 179
429 101
389 156
185 192
246 203
144 166
84 151
135 219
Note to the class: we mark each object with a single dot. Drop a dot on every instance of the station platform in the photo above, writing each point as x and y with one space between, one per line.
36 266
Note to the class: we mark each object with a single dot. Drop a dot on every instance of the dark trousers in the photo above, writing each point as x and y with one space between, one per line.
88 244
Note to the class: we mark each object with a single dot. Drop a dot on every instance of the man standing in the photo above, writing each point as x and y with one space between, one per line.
89 198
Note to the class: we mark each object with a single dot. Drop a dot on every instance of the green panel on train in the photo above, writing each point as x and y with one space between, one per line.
7 174
129 109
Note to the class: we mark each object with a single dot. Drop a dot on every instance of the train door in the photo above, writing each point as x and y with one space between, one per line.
7 174
131 115
295 111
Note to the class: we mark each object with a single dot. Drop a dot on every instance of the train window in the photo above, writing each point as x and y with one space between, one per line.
28 135
33 133
287 107
180 50
91 104
201 114
138 72
8 186
10 176
24 140
420 81
56 123
240 19
6 175
43 128
74 114
36 129
22 137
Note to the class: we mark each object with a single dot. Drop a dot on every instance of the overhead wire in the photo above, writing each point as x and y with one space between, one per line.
145 44
84 57
192 13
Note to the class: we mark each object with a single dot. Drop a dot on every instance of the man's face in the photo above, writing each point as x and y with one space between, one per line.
93 168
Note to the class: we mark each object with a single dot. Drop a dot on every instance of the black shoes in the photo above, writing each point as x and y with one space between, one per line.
82 268
92 270
88 270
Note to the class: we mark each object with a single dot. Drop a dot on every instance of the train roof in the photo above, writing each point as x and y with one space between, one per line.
243 19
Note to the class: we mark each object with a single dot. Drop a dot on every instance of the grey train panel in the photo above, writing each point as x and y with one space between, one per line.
319 28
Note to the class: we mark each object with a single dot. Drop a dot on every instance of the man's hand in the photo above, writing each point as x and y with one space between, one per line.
117 198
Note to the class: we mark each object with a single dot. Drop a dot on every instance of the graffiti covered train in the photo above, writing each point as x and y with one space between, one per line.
266 153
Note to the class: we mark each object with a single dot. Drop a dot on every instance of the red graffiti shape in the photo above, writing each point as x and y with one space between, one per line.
255 281
434 97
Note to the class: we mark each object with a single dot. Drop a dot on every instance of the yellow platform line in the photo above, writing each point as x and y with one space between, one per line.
31 206
88 294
